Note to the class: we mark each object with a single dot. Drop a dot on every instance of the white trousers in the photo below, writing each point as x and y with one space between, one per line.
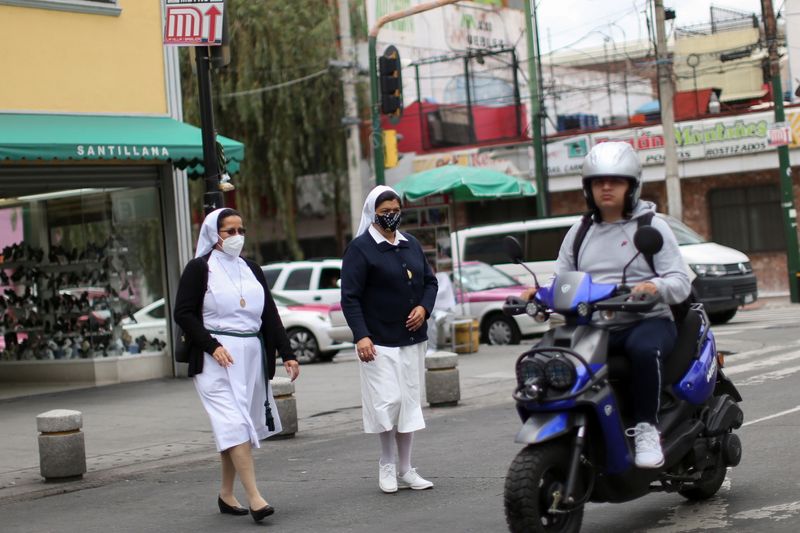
391 389
234 396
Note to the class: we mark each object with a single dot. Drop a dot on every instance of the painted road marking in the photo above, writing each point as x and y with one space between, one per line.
770 417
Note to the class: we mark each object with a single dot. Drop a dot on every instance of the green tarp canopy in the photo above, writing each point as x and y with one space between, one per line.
45 137
463 183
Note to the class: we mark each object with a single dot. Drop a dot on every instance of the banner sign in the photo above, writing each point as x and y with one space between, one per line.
193 22
695 140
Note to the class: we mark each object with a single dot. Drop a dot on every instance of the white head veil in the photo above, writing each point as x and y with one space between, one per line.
209 236
368 214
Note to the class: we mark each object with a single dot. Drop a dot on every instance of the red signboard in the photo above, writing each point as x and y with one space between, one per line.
193 22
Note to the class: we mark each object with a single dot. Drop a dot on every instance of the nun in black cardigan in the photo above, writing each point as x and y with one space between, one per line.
388 292
225 308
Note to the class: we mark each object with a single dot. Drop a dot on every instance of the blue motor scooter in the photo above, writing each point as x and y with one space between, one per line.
572 397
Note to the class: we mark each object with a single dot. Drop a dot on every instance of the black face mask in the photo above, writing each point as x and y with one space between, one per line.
389 222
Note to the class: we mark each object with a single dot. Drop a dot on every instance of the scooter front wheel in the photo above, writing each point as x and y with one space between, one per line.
536 478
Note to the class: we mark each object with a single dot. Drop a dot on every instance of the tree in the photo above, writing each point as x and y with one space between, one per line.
279 98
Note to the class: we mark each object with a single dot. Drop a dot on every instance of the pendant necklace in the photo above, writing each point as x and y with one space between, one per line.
242 302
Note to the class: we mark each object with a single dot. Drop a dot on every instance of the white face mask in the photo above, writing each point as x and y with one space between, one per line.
233 245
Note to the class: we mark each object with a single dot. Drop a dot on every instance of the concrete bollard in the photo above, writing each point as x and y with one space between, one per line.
62 452
442 383
283 392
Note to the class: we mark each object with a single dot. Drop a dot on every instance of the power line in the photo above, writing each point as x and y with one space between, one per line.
275 87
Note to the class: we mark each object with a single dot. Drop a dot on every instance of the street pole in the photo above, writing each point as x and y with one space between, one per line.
787 195
212 199
377 135
536 114
665 96
353 141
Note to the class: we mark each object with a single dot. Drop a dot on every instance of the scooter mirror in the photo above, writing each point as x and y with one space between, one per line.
648 240
513 248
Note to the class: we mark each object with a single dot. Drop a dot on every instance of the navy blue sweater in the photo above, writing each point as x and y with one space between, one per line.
381 284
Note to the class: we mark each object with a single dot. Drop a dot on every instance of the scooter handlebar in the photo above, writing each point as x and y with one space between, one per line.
636 302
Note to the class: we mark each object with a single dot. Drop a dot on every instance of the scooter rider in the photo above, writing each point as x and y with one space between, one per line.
612 185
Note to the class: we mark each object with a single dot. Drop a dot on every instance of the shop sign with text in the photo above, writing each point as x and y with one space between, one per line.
696 140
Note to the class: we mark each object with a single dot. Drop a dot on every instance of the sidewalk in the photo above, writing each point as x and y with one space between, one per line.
136 427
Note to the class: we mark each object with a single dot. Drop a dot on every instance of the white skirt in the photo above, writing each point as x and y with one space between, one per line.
234 396
391 389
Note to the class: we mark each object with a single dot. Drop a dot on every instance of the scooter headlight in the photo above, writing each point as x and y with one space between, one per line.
560 373
530 370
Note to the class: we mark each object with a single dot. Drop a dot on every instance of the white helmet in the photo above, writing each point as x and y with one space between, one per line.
615 159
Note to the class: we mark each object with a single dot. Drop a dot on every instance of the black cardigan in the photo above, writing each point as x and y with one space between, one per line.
189 316
381 284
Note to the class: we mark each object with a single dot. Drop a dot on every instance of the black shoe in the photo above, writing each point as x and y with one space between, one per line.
224 508
261 514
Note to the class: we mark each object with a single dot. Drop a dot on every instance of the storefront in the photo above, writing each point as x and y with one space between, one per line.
90 244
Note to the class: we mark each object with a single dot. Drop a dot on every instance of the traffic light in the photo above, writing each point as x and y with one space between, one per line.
390 155
391 84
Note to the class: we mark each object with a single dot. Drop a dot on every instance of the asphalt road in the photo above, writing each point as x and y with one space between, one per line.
328 482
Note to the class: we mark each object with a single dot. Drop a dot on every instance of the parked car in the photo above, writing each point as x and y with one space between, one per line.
306 282
306 325
481 290
722 278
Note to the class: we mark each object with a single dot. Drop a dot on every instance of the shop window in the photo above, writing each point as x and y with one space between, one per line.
299 280
747 218
76 268
94 7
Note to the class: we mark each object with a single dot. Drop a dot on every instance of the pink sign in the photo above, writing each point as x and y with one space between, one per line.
193 23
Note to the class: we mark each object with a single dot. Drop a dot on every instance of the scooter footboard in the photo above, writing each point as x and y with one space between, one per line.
541 427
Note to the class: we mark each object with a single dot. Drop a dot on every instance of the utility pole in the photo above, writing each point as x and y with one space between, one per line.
787 195
608 80
351 119
665 96
212 199
536 113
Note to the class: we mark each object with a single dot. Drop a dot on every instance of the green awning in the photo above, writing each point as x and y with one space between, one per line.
43 137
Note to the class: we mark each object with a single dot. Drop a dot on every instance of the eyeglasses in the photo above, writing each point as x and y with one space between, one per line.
234 231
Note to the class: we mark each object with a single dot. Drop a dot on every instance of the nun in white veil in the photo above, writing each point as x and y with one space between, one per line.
388 291
225 308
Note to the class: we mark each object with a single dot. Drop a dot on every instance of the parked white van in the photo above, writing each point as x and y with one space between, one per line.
722 278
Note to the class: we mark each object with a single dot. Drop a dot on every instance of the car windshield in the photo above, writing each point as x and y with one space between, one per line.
481 277
284 301
683 233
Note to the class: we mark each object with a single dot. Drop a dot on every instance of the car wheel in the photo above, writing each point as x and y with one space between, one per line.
722 316
500 329
328 356
304 345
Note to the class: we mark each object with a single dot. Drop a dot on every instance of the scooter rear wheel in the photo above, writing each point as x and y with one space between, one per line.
709 483
536 474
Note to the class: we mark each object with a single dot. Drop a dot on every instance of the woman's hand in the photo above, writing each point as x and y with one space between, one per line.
415 318
647 287
292 368
222 356
366 350
528 293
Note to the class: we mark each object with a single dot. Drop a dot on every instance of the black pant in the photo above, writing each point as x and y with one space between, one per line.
645 343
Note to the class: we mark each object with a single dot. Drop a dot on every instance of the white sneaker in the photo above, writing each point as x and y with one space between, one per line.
387 477
414 481
648 445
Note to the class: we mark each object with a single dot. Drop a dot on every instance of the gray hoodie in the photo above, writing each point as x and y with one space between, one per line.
608 247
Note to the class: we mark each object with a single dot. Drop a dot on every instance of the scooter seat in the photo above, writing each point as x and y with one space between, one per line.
675 364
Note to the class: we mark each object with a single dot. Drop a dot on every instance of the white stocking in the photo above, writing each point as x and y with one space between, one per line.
387 451
404 443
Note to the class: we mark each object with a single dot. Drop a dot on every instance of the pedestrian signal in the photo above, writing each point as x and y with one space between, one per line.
391 84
